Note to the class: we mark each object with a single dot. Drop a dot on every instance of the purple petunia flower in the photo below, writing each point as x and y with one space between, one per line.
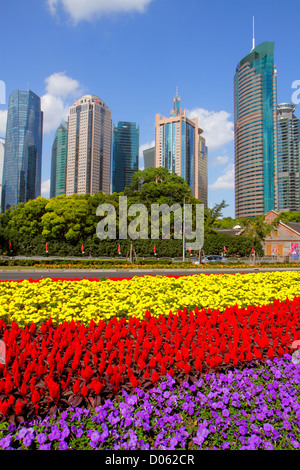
5 442
268 446
27 440
45 447
63 445
41 438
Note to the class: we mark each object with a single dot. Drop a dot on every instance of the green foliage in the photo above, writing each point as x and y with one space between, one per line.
66 223
236 245
290 216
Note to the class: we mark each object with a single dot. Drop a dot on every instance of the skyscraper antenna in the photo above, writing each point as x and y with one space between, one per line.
177 92
253 38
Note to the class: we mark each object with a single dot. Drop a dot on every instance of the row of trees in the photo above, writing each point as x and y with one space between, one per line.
68 223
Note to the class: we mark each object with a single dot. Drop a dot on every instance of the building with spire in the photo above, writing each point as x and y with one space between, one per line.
22 165
255 132
59 161
180 147
89 147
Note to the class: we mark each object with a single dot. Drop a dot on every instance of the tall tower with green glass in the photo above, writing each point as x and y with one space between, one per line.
59 161
255 128
125 154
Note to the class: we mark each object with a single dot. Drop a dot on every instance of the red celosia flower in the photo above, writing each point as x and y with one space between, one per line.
18 407
35 397
76 386
84 391
155 376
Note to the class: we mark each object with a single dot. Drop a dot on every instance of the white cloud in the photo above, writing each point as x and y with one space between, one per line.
218 130
88 10
3 119
219 160
54 112
59 84
56 102
45 189
225 181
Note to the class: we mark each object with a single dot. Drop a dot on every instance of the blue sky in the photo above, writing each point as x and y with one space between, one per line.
134 53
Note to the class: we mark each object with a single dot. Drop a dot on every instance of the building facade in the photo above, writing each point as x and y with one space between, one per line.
149 157
288 136
89 147
59 161
125 154
180 147
255 129
23 149
283 243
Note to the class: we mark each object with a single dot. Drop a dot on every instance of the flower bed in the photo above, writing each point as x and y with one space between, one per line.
84 300
72 364
58 373
257 408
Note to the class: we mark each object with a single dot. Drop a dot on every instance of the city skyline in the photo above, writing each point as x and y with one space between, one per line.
137 81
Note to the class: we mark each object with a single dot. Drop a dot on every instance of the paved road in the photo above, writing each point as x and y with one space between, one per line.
97 274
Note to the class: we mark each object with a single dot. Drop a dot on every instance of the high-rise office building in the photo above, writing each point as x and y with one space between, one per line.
288 166
255 101
149 157
180 147
23 149
89 147
2 147
125 154
59 161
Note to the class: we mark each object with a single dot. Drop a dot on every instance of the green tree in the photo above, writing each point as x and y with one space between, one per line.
65 218
212 216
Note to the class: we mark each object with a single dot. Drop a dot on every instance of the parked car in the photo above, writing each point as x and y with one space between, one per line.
212 259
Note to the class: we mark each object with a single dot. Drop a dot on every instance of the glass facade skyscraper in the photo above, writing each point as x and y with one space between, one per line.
288 135
23 149
149 157
180 147
255 101
59 161
125 154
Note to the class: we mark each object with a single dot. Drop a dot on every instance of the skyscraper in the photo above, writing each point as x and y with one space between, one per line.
180 147
288 135
23 149
59 161
149 157
89 147
255 100
125 154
